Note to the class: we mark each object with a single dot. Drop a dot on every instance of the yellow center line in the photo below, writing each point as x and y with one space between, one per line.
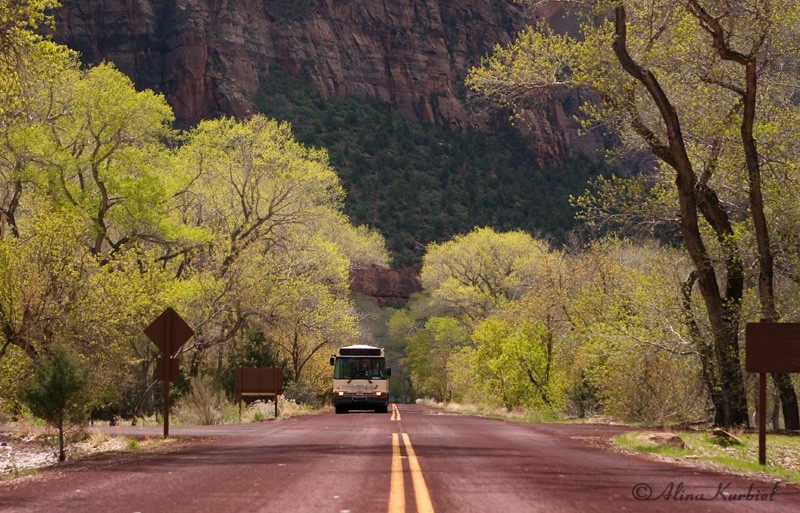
397 495
395 412
420 490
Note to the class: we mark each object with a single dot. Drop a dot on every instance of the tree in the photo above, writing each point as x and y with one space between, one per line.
475 274
107 215
680 77
57 391
627 339
18 21
513 362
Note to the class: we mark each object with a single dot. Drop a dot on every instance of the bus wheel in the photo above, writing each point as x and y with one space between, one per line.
341 409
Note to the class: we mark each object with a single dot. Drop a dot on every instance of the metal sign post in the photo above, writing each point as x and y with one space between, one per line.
168 332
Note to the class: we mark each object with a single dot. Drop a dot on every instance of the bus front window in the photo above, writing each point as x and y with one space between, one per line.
359 368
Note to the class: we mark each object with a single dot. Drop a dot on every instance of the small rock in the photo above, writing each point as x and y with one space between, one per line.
667 439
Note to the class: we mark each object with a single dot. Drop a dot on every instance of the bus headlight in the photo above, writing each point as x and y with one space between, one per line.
341 393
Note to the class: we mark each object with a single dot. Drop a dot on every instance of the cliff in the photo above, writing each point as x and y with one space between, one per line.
209 56
389 287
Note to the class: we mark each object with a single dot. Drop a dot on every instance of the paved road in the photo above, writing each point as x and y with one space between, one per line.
414 459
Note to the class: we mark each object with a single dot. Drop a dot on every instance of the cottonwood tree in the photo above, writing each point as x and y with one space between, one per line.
473 275
685 79
473 280
107 215
279 249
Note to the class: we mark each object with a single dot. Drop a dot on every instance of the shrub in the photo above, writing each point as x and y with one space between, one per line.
58 391
300 392
205 404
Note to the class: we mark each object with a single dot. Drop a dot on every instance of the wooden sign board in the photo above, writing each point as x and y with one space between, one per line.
258 381
772 347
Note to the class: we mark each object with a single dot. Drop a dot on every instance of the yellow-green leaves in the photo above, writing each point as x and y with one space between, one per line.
109 215
475 273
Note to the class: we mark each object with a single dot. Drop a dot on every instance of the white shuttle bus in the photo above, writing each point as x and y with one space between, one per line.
360 379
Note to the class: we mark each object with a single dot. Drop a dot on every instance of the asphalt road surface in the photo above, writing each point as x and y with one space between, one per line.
413 459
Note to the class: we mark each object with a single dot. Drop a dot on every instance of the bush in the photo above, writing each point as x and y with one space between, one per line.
300 392
205 404
58 391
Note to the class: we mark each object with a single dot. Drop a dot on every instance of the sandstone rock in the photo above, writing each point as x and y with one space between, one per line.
210 55
666 439
390 287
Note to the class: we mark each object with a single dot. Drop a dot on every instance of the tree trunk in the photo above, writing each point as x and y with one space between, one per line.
62 455
723 313
749 98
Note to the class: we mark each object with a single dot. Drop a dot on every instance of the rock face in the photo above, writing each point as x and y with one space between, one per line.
210 56
390 287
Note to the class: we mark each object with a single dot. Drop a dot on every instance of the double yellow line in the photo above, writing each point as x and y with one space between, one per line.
395 412
397 494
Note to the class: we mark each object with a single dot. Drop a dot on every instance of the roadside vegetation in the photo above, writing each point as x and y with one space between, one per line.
108 214
783 452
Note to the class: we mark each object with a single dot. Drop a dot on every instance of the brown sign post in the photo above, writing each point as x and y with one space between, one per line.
770 347
258 381
168 332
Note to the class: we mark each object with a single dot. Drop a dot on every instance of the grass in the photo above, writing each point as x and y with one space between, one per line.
516 414
783 452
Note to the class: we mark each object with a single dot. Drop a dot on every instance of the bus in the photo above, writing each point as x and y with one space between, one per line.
360 379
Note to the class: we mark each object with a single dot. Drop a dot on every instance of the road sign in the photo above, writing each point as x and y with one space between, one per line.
169 332
772 347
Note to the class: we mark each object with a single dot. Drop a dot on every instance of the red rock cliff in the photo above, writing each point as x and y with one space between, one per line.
210 55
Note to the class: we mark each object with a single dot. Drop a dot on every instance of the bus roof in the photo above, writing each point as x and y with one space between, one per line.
360 350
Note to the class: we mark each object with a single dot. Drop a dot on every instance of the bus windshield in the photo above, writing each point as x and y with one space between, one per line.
359 368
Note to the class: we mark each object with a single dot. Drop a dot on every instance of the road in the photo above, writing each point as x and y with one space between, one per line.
415 459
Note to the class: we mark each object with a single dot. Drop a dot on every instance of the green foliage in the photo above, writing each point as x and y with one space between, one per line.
477 273
205 404
511 364
58 390
701 85
597 330
12 365
418 183
108 215
301 393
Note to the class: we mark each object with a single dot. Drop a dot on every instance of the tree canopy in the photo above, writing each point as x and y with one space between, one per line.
108 215
698 83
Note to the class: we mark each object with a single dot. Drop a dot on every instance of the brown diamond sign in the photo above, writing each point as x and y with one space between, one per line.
169 332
